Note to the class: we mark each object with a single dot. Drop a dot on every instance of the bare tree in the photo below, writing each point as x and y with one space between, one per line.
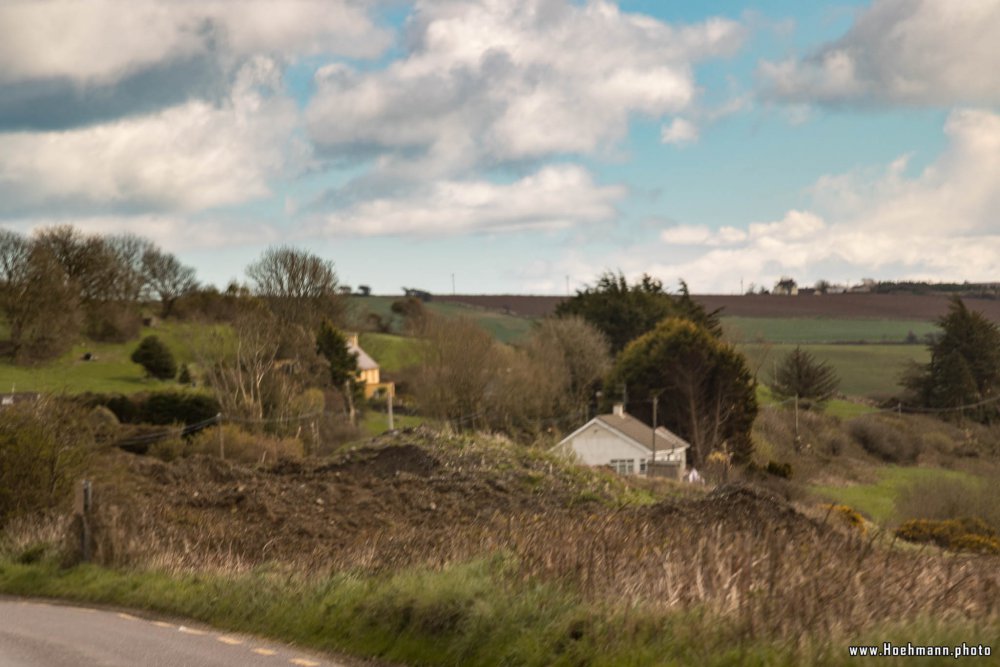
459 372
299 287
240 365
167 278
577 354
41 306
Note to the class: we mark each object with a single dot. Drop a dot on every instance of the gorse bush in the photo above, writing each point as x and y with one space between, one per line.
966 534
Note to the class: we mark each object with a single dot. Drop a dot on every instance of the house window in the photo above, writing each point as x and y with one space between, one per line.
642 466
623 466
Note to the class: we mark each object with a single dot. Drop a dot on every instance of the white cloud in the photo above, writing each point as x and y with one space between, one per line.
940 222
556 197
102 41
507 80
680 131
171 232
188 157
921 52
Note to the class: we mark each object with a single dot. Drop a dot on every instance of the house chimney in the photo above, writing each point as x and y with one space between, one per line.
619 409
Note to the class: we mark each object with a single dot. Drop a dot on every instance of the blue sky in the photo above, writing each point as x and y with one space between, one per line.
517 144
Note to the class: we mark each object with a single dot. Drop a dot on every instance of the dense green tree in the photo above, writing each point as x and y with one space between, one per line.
705 392
156 358
800 375
624 312
964 369
331 344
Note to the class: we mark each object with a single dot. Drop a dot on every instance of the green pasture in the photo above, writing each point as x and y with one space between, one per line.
110 370
823 330
878 500
864 370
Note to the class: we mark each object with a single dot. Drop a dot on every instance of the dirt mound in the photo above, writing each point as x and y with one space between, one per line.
386 462
415 492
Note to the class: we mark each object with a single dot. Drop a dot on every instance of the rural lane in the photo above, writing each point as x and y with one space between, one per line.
38 634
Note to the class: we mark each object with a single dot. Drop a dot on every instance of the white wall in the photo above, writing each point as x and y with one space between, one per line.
597 446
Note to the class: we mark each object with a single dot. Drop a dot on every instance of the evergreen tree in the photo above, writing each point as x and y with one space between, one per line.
331 344
155 358
801 375
964 369
705 392
623 312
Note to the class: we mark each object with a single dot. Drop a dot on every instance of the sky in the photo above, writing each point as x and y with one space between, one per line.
515 146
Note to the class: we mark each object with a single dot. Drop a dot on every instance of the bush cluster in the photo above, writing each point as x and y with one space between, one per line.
965 534
885 440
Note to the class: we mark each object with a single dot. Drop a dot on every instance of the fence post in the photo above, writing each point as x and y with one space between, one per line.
81 507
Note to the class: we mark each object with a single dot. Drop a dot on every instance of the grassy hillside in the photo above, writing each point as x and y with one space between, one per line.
393 353
502 326
110 370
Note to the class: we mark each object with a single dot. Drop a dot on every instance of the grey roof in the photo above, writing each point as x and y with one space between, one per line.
642 434
365 362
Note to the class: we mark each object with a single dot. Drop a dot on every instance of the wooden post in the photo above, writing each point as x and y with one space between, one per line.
82 505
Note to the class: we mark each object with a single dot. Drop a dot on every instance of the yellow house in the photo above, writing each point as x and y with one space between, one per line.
368 371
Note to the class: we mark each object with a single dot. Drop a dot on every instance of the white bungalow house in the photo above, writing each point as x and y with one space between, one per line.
625 444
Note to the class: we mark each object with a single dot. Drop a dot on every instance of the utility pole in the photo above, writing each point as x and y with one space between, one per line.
797 444
652 463
222 446
453 284
391 425
567 285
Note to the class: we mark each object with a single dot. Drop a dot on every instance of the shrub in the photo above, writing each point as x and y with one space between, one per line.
966 534
884 439
112 322
170 407
44 446
156 358
948 498
848 515
184 377
240 445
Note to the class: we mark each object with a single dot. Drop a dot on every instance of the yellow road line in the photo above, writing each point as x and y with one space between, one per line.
232 641
127 617
264 651
303 662
162 624
191 631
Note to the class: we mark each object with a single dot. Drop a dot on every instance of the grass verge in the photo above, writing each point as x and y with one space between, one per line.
476 613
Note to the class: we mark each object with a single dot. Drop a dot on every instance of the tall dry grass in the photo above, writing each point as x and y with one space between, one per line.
769 578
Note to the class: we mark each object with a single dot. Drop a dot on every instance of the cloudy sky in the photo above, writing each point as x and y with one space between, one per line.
521 145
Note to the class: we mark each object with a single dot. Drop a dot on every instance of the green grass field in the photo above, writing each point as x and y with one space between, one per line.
111 370
822 330
864 370
836 407
878 500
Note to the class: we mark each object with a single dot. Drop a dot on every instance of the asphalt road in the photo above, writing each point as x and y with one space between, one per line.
37 634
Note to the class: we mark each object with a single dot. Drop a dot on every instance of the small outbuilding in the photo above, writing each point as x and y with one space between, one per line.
626 445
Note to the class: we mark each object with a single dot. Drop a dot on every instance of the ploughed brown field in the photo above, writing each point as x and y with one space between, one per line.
881 306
